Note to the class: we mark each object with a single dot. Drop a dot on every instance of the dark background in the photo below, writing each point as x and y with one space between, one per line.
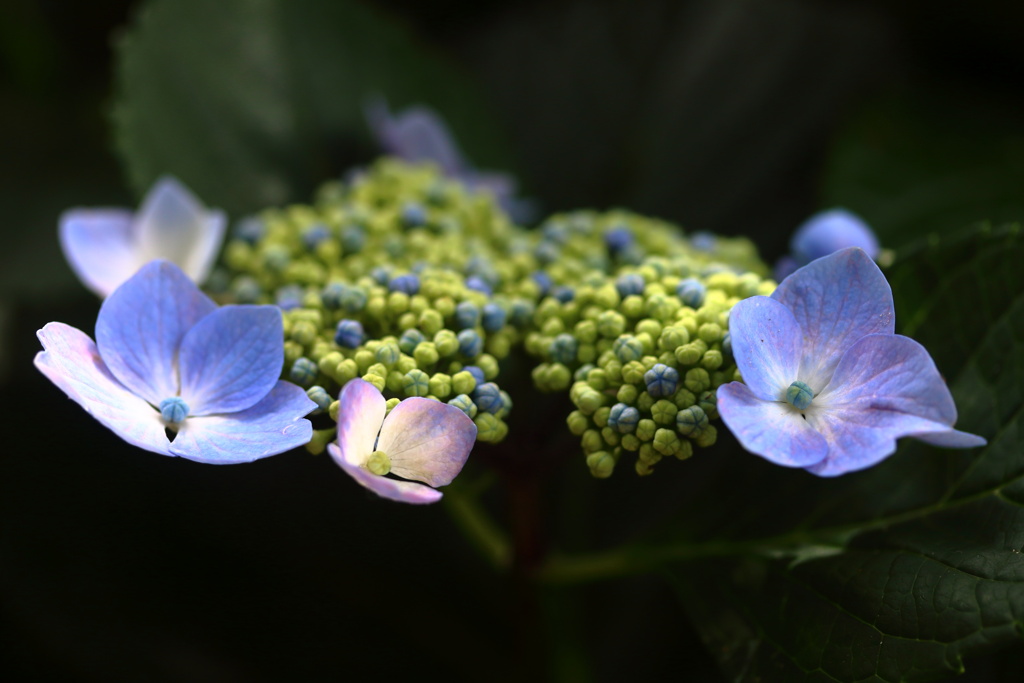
734 117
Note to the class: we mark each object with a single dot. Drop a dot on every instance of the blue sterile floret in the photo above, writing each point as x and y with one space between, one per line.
303 372
493 317
691 292
407 284
477 373
318 395
467 315
623 418
487 397
563 349
470 343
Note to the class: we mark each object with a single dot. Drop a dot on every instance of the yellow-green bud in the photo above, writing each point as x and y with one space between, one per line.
611 324
627 394
709 333
557 377
379 463
577 422
589 401
398 303
591 441
650 327
446 343
632 306
490 428
601 416
425 354
712 360
333 410
707 437
697 380
585 331
666 441
463 382
364 358
347 370
441 385
431 322
375 380
645 429
597 379
292 352
601 464
691 353
673 337
489 365
685 449
664 412
644 402
328 364
405 364
633 372
304 332
629 442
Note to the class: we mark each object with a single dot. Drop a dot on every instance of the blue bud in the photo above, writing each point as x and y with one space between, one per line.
318 395
629 284
520 313
173 409
250 229
493 317
703 241
627 348
476 283
727 345
799 395
581 372
380 275
349 334
487 397
564 293
413 215
314 235
563 349
289 297
353 239
303 372
623 418
467 315
691 292
408 283
465 404
661 380
617 239
477 373
470 343
543 281
409 340
331 295
691 421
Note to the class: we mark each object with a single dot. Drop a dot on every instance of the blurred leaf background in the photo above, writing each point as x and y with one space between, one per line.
738 117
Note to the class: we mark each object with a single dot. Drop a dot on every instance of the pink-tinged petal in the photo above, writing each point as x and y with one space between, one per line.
141 325
173 225
361 410
427 440
767 344
836 300
97 245
416 134
274 425
231 358
775 431
72 362
393 489
885 387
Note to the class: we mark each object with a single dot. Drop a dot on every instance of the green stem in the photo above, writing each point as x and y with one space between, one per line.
464 507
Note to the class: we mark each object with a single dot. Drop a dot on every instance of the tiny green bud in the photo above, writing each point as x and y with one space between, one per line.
426 354
417 383
441 385
610 436
632 306
666 441
347 370
627 394
644 402
333 410
709 333
697 380
488 364
590 400
650 327
633 372
799 395
490 428
388 353
591 441
557 377
304 332
586 331
463 382
611 324
597 379
712 360
446 343
601 416
390 404
577 422
375 380
685 449
379 463
707 437
431 322
601 464
645 429
629 442
684 398
664 412
691 421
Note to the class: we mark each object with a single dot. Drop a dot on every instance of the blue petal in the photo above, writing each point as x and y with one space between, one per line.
836 300
272 426
766 343
417 134
394 489
141 325
427 440
72 362
775 431
885 387
171 224
231 358
829 231
97 244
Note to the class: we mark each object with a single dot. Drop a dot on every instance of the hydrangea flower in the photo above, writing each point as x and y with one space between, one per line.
418 134
420 440
827 385
166 358
824 233
105 247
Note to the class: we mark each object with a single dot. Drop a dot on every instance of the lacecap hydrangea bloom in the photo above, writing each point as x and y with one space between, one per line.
105 247
172 373
418 439
827 385
824 233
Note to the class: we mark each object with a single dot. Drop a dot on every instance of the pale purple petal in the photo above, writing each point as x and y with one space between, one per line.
829 231
402 491
231 358
416 134
274 425
767 345
361 410
427 440
141 325
775 431
72 362
885 387
172 224
97 245
836 300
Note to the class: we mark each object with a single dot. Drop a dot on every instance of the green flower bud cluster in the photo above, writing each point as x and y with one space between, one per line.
422 287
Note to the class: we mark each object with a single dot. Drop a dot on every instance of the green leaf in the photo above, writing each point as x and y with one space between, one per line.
255 102
900 572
